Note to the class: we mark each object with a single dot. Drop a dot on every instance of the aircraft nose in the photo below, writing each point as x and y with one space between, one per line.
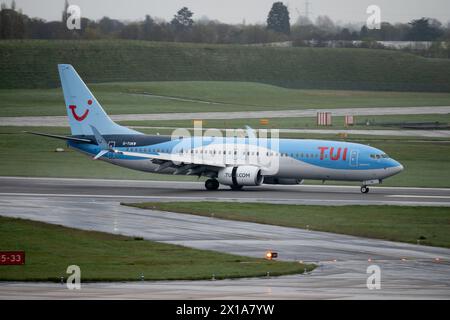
398 167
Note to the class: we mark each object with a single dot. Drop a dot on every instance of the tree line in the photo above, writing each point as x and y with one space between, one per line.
183 28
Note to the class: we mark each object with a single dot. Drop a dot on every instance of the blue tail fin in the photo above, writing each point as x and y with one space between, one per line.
83 109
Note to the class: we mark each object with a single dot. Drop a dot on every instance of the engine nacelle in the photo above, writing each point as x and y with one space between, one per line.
240 176
285 181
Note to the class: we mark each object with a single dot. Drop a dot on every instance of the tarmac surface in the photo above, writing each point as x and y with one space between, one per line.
134 190
407 271
61 121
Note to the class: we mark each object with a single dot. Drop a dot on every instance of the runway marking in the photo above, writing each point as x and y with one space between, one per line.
72 195
256 200
200 183
416 196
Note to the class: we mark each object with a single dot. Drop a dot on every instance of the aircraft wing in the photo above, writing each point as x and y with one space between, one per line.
177 159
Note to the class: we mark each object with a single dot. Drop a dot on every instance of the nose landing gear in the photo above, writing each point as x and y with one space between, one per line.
364 189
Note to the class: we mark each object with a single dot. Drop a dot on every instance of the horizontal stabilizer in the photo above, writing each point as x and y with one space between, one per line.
101 154
55 136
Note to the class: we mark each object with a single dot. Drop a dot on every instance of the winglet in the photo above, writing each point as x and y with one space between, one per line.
101 154
250 132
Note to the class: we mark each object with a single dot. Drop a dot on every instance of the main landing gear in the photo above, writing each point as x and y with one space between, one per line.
211 184
364 189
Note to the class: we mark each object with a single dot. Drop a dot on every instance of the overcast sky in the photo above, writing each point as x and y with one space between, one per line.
235 11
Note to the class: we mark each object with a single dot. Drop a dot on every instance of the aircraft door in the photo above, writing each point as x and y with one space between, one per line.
235 150
354 158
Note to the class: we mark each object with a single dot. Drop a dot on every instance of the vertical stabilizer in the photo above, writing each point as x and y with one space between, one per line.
83 109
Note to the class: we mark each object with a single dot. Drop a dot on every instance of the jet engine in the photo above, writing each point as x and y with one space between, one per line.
240 176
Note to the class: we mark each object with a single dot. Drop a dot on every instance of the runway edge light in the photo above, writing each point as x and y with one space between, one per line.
271 255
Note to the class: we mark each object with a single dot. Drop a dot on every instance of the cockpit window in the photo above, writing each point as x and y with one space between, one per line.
379 156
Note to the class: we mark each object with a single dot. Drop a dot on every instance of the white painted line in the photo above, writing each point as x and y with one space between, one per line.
297 201
15 194
199 183
98 180
416 196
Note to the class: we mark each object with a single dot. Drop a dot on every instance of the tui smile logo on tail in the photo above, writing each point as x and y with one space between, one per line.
84 115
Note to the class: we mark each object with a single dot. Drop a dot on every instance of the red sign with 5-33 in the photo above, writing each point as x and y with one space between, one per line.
12 257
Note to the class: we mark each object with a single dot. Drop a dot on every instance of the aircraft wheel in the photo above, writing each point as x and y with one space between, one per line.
364 189
235 188
211 184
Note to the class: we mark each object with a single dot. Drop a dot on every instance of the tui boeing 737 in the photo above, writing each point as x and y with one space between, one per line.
232 161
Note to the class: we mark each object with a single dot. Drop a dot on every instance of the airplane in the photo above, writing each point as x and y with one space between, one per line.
230 161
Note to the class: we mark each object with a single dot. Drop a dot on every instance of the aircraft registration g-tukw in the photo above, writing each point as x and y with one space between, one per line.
235 161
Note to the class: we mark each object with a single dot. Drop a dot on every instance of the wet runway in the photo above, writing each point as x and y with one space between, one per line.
128 190
407 271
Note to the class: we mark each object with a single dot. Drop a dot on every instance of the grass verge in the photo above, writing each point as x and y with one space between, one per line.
207 96
50 249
